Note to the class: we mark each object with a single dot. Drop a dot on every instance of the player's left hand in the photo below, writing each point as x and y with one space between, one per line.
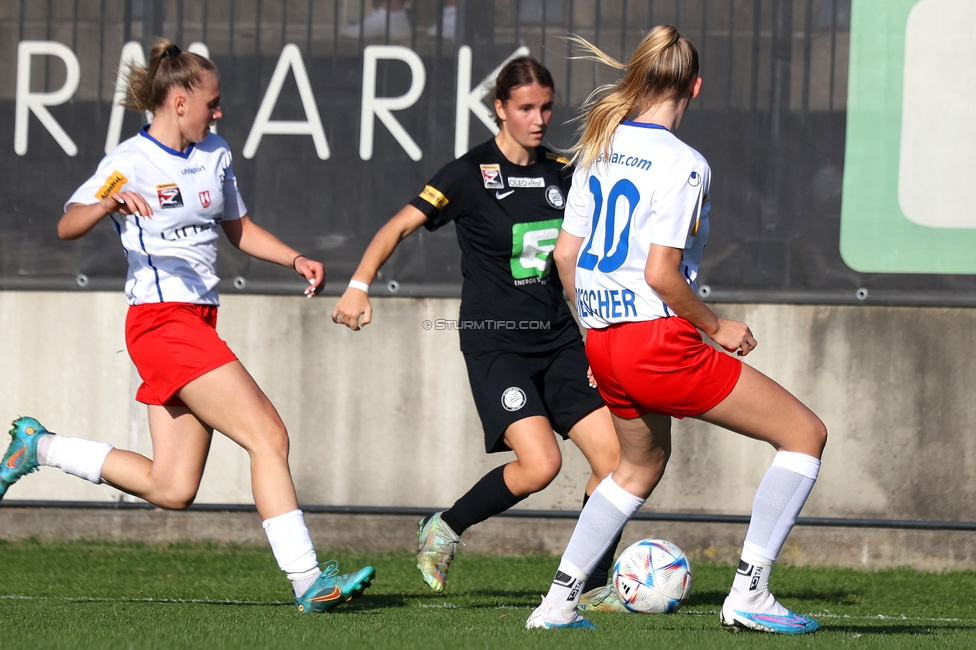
590 378
312 271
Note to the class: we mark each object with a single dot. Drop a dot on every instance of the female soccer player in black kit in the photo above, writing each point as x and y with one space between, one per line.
506 198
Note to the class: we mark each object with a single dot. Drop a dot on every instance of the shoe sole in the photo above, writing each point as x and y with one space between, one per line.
736 626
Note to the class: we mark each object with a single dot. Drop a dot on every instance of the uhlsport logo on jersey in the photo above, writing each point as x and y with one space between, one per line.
513 398
532 246
695 179
169 196
492 177
905 207
205 198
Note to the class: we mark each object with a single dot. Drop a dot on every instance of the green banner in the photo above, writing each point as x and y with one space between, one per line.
910 156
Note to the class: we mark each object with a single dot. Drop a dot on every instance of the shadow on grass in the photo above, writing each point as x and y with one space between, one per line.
716 598
474 599
833 597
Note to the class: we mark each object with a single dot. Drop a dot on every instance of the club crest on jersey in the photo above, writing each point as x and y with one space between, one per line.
492 177
169 196
205 198
554 196
695 179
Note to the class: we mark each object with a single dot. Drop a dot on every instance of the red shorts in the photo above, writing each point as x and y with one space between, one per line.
659 366
171 344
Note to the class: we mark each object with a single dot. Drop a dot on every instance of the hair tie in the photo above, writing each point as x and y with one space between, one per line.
171 51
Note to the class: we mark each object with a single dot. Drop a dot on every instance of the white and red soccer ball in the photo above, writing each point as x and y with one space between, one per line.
652 576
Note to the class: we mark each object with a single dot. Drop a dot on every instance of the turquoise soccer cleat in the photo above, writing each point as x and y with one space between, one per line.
21 456
331 589
789 623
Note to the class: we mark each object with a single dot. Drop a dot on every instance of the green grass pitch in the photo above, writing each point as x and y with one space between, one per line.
104 595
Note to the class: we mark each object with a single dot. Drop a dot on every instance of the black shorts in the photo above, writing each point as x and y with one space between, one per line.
509 387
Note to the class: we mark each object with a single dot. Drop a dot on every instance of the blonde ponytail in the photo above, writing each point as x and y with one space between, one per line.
147 87
662 67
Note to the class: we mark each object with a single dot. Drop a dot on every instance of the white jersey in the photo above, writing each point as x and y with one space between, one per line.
653 189
173 255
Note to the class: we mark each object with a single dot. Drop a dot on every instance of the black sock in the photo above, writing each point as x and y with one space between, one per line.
601 573
487 498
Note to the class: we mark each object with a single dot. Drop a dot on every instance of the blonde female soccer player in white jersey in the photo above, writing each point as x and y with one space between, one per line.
166 191
632 237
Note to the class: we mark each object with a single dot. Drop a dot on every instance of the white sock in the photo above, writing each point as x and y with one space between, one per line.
603 517
81 458
292 548
779 499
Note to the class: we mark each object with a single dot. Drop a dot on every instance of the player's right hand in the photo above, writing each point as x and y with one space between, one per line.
131 203
734 337
353 309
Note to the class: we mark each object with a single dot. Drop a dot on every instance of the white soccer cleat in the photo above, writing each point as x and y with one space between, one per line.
547 617
773 618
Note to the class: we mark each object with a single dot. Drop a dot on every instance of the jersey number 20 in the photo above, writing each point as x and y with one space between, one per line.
621 245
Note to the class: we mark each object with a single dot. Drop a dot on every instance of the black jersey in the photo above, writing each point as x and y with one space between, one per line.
507 218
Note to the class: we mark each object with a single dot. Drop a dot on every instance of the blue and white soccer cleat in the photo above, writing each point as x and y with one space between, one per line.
21 456
788 623
331 589
547 617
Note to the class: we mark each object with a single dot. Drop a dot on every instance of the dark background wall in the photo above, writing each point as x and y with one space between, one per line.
771 121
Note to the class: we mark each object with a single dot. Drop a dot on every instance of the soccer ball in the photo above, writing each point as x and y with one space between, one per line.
652 577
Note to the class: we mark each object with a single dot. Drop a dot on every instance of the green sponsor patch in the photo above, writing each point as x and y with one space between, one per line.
532 246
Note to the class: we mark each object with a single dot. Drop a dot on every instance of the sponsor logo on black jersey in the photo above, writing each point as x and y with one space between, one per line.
169 196
205 198
492 177
112 184
554 196
525 181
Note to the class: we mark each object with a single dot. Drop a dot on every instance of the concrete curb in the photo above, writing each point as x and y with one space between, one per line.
863 548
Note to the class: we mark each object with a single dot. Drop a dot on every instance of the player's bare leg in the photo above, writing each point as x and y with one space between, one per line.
537 456
181 442
595 437
229 400
760 408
